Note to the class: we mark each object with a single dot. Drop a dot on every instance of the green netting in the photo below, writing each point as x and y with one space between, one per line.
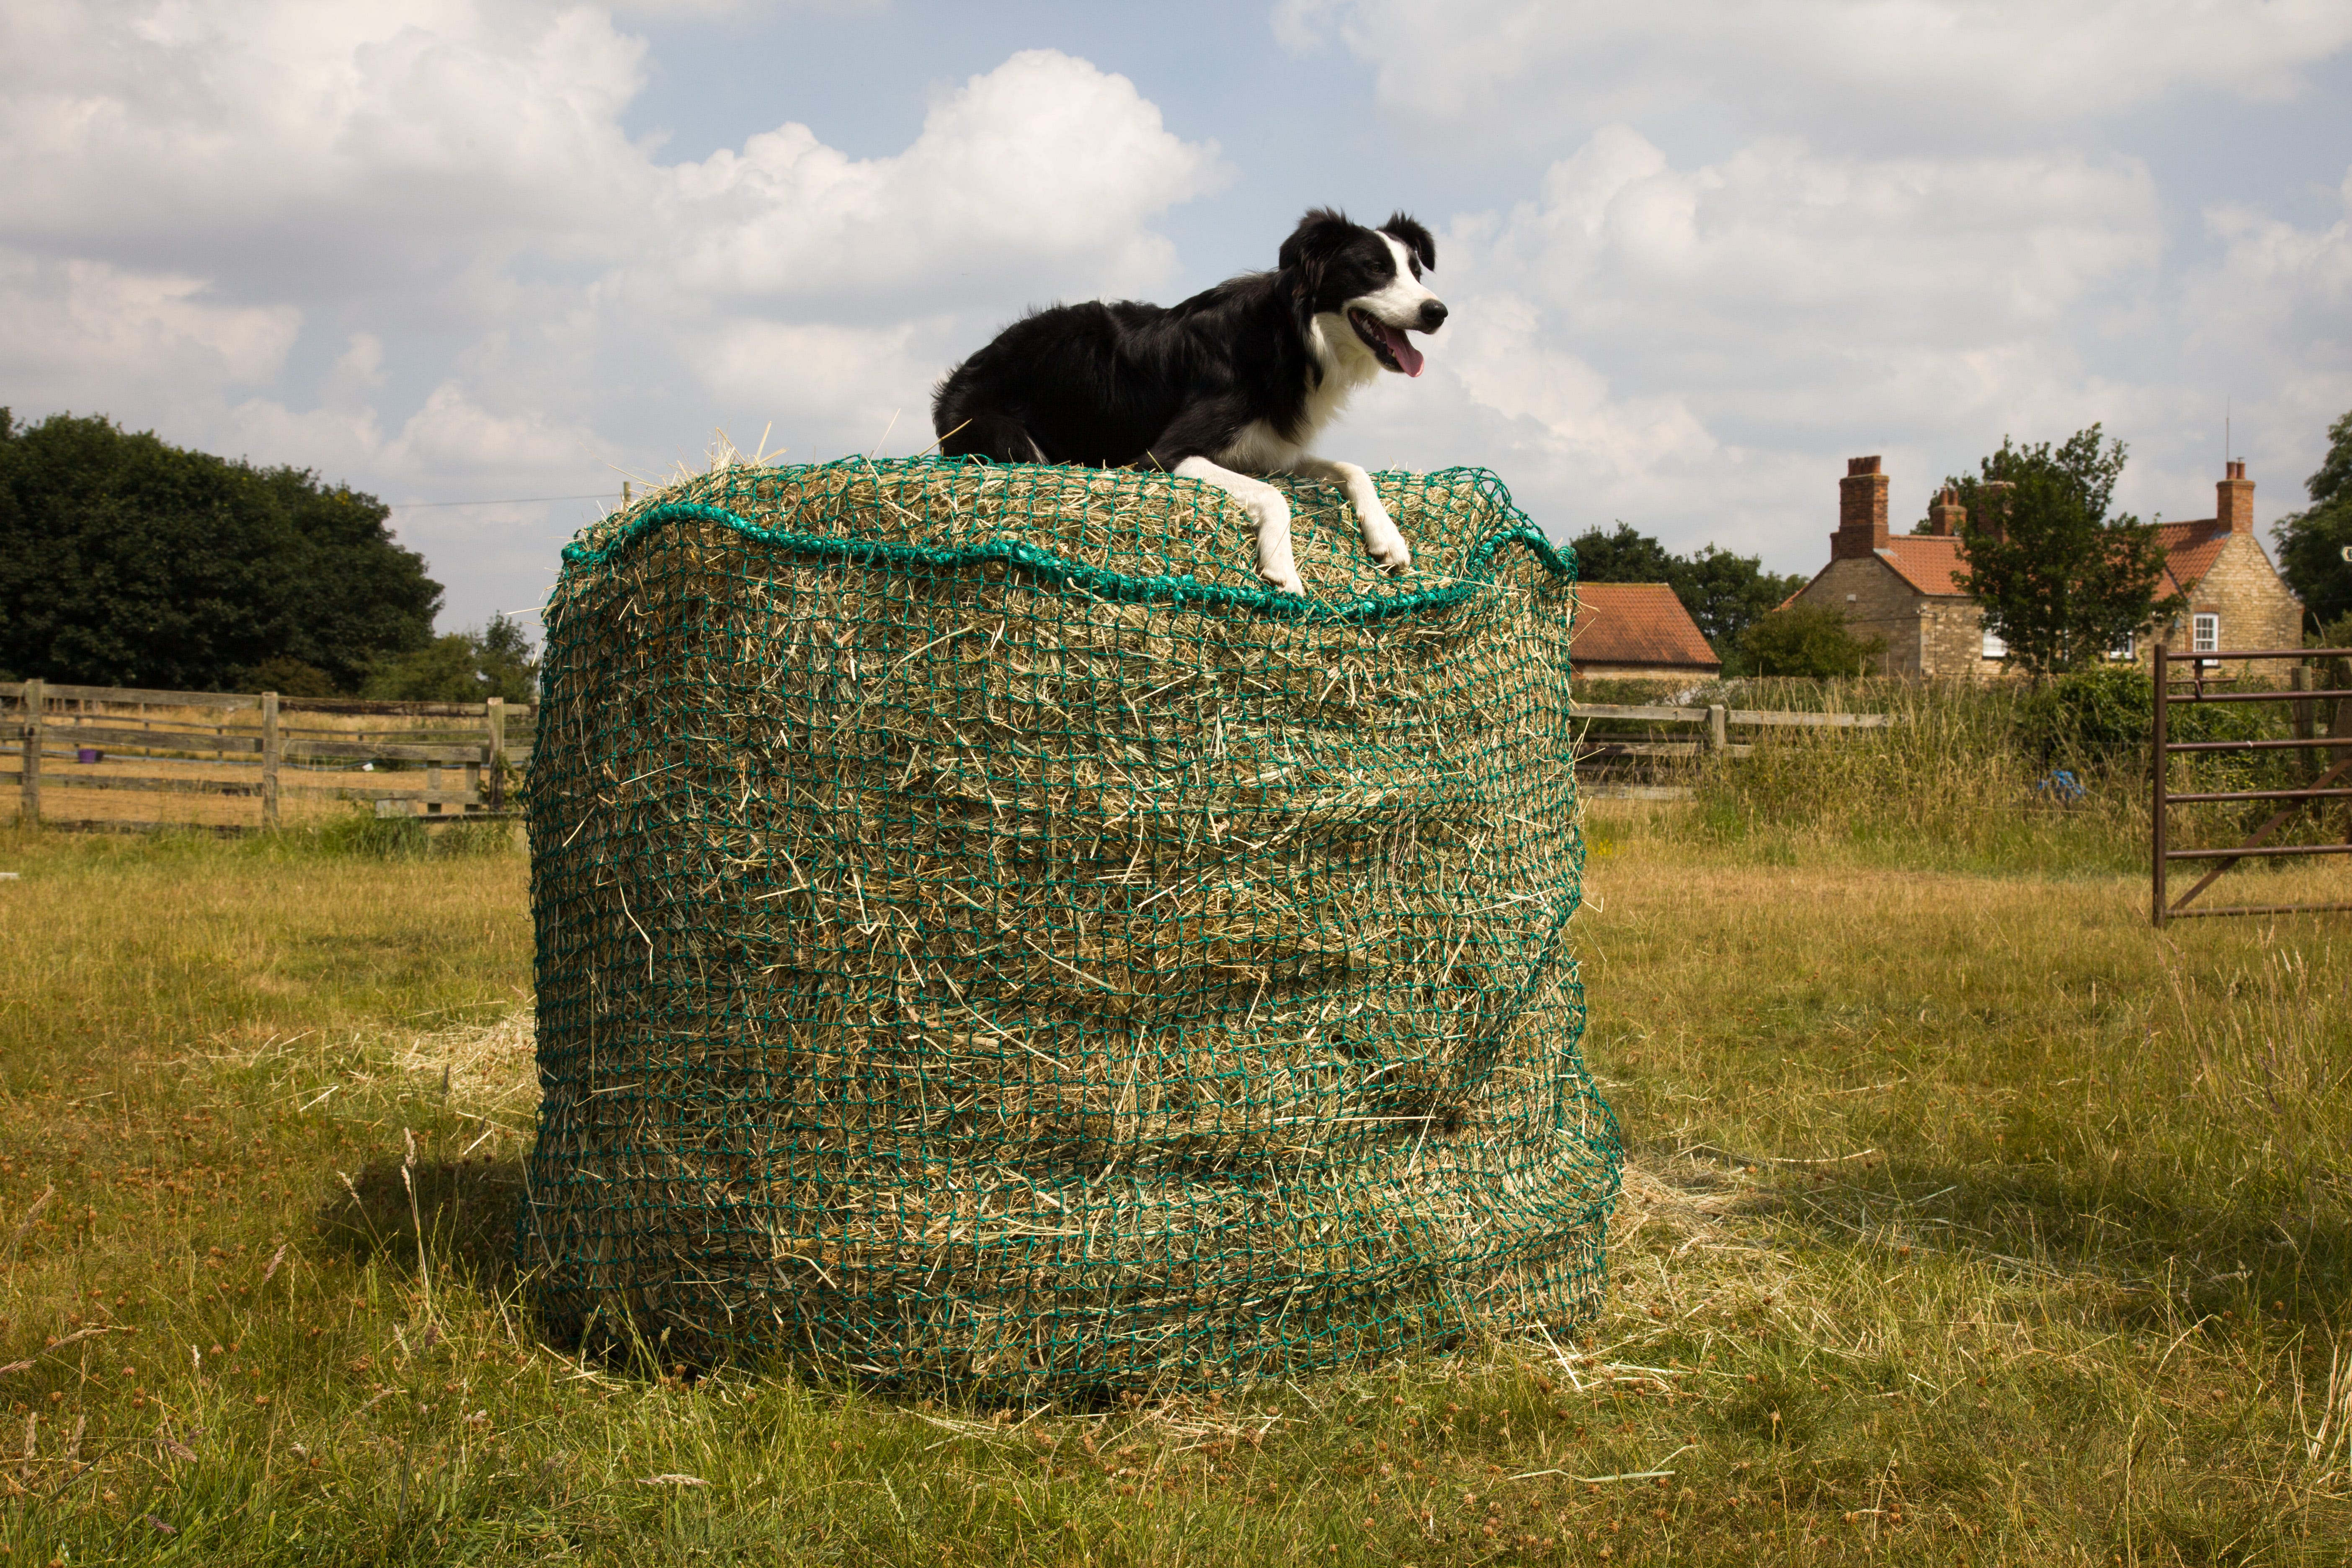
987 938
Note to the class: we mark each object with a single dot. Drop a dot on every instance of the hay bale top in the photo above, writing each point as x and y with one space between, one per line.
1115 534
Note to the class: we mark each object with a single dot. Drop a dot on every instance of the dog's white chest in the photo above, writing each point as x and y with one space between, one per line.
1260 449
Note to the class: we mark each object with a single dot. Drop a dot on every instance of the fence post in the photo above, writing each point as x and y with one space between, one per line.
495 754
1718 733
29 795
2159 769
271 744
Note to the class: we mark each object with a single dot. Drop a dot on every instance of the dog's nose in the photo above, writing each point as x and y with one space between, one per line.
1433 315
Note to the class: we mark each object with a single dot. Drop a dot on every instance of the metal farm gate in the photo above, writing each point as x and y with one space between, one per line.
2330 784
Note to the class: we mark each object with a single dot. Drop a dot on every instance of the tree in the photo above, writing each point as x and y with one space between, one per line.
1808 640
463 667
125 561
1626 555
1724 593
2312 544
2059 580
1727 594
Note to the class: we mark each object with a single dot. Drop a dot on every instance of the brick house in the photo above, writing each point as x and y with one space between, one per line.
1637 629
1906 589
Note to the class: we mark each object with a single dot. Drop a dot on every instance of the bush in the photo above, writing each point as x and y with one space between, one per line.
291 678
1808 640
462 666
2100 713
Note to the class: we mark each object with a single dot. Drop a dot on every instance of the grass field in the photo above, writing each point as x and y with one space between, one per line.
1969 1221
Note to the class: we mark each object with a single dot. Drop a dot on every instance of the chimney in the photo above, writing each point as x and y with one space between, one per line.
2233 500
1862 512
1945 518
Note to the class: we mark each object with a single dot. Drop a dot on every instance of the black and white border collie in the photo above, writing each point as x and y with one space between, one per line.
1238 380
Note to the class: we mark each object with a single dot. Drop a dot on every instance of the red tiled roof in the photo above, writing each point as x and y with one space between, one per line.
1931 562
1636 623
2189 549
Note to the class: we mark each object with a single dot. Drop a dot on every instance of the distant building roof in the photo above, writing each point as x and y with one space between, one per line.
1931 563
1637 624
1927 562
2189 549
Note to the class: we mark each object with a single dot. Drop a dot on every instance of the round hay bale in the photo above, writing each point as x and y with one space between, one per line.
988 939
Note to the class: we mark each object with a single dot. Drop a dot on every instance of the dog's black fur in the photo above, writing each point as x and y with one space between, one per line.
1125 384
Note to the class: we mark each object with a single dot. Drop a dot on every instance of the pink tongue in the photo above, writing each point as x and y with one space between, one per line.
1406 354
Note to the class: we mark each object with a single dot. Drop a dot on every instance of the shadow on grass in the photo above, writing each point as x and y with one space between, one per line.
2277 1250
467 1209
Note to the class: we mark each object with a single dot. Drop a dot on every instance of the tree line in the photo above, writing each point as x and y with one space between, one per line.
126 560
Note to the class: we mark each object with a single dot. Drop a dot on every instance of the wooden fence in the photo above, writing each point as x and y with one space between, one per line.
1603 738
188 745
278 752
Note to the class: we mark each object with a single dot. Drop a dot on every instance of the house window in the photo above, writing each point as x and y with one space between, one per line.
1993 646
2205 634
2126 650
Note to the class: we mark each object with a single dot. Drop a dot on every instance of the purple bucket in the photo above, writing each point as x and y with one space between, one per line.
88 754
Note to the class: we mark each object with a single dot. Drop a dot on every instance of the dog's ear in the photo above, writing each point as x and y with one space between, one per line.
1318 237
1413 237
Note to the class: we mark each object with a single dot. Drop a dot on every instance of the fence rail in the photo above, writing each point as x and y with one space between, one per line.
1599 745
58 724
62 733
2336 747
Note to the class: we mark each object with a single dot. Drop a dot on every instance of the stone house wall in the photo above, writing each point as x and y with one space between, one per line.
1953 640
2255 607
1876 603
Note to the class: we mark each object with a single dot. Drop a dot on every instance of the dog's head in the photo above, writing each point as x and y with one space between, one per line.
1370 277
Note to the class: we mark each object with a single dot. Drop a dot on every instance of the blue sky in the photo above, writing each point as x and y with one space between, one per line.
1697 255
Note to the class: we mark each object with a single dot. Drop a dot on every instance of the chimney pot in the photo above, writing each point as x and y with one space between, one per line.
1855 465
1947 515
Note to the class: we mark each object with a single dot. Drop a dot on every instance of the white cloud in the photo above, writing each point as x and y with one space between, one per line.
2263 330
1977 71
359 140
411 243
443 190
1694 349
71 328
1041 174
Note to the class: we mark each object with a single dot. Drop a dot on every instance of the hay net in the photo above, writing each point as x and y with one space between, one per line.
988 939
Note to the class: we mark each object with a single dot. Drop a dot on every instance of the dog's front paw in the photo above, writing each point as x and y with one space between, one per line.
1382 541
1275 561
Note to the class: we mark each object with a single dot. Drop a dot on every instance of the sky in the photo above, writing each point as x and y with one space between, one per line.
1696 254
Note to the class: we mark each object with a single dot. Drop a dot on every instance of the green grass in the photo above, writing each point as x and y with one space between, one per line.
1966 1220
1967 778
